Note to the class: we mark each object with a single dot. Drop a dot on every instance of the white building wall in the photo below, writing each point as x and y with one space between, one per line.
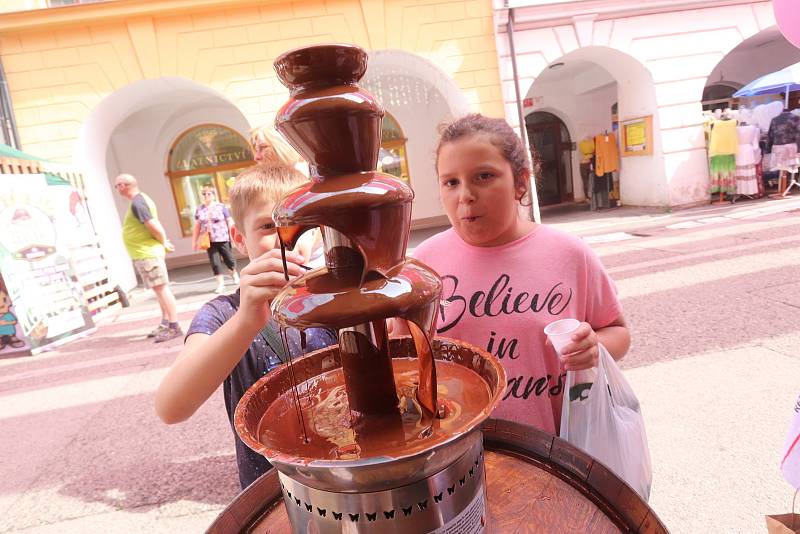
678 49
141 144
420 96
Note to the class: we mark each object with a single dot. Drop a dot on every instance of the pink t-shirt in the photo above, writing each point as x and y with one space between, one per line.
501 298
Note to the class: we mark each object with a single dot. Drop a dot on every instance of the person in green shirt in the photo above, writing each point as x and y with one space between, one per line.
147 244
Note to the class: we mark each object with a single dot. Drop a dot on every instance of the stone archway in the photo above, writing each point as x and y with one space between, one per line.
582 89
761 53
131 131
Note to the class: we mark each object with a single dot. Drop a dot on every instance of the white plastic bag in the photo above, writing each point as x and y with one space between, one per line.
790 463
601 415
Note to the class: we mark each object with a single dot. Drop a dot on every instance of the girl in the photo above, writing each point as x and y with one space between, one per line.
505 278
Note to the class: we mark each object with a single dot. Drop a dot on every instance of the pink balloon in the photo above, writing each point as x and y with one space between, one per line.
787 14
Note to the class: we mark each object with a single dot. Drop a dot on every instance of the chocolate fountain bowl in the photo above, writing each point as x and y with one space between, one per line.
412 491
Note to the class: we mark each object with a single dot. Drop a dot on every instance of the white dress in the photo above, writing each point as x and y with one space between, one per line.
748 154
764 113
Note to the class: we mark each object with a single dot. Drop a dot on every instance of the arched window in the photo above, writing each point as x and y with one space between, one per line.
209 154
392 155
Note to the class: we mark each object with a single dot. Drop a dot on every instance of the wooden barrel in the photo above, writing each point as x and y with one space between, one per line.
535 483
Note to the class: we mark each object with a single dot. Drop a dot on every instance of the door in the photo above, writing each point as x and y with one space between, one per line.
550 144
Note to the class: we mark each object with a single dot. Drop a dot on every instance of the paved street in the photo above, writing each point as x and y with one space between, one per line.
714 308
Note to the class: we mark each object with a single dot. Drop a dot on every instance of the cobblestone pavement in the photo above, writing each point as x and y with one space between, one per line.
711 298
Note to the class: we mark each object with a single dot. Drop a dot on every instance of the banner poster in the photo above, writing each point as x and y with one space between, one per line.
43 223
12 341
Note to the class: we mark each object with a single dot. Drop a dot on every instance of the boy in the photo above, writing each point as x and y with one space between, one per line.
225 343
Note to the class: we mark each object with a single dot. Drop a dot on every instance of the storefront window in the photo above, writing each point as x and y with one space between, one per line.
392 155
205 155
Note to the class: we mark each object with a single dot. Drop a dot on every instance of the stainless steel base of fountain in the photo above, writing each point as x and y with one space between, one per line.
440 489
454 495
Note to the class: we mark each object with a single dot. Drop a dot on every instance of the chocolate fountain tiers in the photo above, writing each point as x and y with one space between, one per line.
385 435
364 439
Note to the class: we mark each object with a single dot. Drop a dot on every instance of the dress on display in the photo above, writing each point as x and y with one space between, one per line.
606 154
606 161
722 147
764 113
748 154
782 138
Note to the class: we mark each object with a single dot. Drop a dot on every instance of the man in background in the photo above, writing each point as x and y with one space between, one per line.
147 244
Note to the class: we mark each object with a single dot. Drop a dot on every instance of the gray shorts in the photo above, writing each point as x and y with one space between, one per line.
152 271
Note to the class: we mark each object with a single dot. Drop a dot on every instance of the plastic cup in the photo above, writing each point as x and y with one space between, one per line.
560 332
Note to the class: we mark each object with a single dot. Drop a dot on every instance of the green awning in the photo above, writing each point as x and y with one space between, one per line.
54 179
9 152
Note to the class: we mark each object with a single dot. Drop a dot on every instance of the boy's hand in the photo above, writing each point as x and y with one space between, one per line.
261 281
582 352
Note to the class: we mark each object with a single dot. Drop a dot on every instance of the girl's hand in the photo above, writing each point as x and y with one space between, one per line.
582 352
261 281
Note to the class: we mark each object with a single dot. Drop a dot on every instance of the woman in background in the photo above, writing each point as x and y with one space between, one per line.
213 217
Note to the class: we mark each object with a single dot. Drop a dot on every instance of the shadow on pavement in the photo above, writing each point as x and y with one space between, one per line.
141 487
119 453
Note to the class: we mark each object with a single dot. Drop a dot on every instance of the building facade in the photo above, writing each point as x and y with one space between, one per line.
592 66
168 90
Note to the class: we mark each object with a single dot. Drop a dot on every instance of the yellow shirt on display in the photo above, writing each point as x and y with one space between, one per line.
586 148
723 139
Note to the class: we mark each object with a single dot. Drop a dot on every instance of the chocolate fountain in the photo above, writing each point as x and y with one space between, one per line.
387 435
370 435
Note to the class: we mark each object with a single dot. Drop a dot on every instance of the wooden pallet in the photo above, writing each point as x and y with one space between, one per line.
92 272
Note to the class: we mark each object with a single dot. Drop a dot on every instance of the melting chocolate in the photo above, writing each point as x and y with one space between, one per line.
334 433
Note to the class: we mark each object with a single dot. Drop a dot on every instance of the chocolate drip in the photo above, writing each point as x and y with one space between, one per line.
296 396
368 370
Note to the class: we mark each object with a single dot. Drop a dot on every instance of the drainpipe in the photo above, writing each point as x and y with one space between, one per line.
535 215
7 123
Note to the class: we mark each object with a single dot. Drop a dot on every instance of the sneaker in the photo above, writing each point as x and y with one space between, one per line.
220 289
235 278
157 330
169 333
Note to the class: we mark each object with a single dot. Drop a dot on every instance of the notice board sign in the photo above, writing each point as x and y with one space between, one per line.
636 136
40 296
